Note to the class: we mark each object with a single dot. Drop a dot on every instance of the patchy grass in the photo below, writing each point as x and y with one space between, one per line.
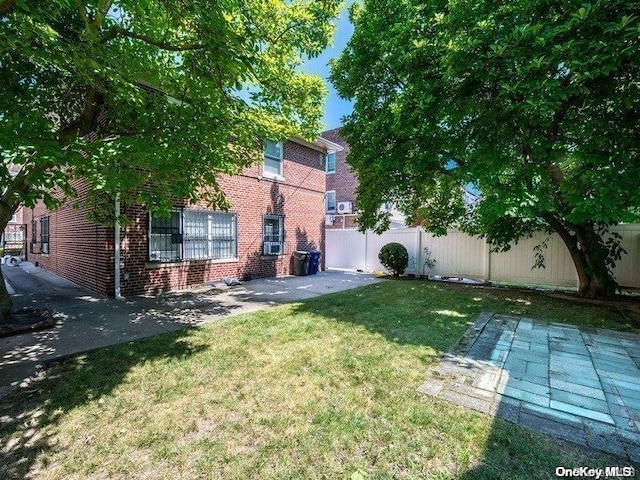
323 388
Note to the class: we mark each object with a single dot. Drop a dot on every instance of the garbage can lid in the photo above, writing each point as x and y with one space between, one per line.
301 252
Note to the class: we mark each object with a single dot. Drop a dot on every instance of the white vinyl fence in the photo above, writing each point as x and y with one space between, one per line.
458 254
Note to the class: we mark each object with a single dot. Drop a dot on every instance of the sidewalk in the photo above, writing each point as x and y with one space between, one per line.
86 321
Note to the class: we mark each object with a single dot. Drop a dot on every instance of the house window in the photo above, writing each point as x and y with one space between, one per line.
193 235
273 234
330 202
44 235
165 237
331 162
273 159
209 235
34 233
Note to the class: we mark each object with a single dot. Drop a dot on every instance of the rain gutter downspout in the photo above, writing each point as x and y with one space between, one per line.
116 249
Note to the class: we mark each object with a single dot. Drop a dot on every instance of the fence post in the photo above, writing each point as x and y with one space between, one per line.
418 251
366 249
487 260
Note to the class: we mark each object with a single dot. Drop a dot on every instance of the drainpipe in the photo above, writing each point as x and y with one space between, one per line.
116 249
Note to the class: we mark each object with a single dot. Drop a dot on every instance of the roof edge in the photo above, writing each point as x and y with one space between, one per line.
319 144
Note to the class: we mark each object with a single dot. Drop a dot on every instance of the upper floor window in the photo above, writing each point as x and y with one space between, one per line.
331 162
273 158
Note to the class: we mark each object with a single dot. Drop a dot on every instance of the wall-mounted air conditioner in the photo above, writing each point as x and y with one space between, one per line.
345 207
329 219
272 248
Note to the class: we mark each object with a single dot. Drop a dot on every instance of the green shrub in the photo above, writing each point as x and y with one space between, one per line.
394 257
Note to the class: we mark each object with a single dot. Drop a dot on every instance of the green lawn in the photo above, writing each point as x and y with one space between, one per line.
320 389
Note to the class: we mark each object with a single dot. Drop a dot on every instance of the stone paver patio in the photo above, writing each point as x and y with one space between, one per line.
577 384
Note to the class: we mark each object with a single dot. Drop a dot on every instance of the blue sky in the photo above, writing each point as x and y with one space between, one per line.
335 107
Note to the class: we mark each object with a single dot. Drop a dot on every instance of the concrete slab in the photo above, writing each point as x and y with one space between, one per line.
578 385
86 321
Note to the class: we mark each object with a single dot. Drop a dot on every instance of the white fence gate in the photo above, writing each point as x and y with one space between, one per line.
458 254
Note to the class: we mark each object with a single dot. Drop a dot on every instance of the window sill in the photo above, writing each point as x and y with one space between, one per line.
330 173
272 257
272 176
156 265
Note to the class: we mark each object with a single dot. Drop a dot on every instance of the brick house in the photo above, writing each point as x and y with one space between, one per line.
276 208
340 198
341 185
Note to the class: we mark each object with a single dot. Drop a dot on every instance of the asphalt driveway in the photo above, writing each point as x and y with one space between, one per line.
86 321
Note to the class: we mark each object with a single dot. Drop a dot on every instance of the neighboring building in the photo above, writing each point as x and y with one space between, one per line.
276 208
340 198
13 237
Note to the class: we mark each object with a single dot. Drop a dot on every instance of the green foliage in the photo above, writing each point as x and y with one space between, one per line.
536 103
152 99
395 257
429 262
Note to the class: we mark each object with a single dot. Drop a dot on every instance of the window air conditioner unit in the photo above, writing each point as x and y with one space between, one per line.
329 219
272 248
345 207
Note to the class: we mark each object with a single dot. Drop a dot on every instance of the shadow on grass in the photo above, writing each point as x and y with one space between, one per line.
435 316
435 319
28 418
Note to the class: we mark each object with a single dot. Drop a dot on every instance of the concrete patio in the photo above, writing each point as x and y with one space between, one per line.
577 384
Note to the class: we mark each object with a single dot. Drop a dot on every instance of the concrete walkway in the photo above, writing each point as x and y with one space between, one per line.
85 321
577 384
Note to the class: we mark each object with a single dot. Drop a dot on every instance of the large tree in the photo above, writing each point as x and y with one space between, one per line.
535 102
149 99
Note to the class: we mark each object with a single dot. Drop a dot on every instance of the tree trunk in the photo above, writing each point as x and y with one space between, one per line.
5 301
6 212
589 257
601 283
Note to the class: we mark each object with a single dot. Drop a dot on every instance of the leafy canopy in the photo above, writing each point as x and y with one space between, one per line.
536 102
157 94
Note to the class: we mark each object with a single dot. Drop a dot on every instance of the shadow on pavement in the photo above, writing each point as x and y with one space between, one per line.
27 419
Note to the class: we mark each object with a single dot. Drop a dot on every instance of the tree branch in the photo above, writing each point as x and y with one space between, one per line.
116 30
6 6
82 8
103 10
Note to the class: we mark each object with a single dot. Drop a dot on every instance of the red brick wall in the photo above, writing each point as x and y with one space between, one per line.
300 198
343 181
79 249
83 251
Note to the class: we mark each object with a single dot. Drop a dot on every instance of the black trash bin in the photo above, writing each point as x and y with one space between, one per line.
300 263
314 262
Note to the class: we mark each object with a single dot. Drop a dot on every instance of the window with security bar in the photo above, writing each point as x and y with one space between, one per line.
34 237
44 235
165 237
273 234
193 235
209 235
